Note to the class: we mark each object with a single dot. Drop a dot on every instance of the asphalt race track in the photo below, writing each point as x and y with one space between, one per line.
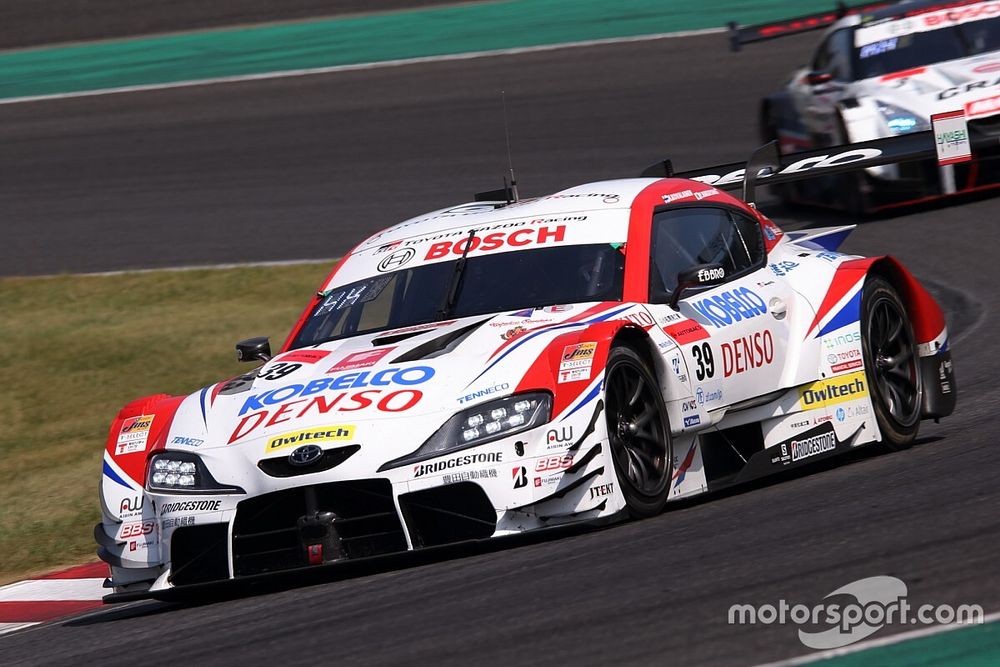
305 167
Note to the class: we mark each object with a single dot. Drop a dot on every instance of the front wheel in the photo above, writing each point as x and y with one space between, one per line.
890 354
638 432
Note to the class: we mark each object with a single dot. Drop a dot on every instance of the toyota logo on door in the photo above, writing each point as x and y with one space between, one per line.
396 260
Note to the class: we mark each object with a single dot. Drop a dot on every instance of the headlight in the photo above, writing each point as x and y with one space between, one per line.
181 472
481 424
901 121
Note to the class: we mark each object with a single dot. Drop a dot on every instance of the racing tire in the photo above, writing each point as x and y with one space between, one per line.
892 366
638 432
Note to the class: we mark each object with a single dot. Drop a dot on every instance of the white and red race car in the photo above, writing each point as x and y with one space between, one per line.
501 367
883 70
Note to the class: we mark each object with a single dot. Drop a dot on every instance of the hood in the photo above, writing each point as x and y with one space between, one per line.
397 386
972 84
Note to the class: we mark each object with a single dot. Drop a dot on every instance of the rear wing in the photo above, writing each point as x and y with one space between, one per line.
766 166
740 35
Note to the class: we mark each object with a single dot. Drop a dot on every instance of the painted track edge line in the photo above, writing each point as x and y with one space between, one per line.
191 267
898 638
282 74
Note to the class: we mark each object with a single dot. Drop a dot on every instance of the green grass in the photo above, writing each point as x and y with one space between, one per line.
77 348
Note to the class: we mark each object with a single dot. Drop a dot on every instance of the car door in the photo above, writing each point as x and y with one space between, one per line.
734 335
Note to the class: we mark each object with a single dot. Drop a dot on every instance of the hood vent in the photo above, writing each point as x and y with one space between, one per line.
440 345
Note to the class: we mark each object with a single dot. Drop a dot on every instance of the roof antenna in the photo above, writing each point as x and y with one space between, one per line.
510 161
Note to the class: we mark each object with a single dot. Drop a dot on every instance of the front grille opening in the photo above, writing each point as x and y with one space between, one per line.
448 514
199 554
266 535
280 466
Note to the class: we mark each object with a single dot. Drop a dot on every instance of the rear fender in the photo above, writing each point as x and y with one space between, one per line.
931 331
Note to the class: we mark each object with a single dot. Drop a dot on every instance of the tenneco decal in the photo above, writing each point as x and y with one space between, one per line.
834 390
422 469
817 444
817 162
731 306
277 405
324 434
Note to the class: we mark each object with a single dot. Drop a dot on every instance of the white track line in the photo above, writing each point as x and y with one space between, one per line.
877 643
193 267
472 55
53 590
11 627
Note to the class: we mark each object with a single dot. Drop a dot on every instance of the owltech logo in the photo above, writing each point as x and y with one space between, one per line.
834 390
323 434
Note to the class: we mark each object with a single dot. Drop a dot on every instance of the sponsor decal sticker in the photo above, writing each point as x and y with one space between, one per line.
846 366
177 522
747 353
498 241
191 506
469 475
322 434
731 306
601 490
362 359
576 362
488 391
305 356
951 134
133 434
833 390
692 421
686 332
186 442
817 444
422 469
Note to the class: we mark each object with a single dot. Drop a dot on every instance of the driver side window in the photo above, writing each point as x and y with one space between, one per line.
684 237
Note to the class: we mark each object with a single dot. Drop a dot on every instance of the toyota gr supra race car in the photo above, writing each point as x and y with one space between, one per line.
884 70
509 366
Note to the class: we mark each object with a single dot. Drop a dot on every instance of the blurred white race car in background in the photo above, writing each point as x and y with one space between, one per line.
883 70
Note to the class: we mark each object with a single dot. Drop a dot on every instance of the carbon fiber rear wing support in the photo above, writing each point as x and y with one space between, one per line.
767 167
740 35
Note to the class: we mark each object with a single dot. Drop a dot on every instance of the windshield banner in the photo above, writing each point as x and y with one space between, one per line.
943 18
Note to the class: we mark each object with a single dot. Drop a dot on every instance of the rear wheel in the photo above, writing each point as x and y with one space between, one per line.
638 432
890 354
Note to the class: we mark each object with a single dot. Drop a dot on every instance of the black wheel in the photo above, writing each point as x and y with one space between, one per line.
890 353
638 431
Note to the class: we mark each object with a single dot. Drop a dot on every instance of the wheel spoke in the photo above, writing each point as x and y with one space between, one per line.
639 384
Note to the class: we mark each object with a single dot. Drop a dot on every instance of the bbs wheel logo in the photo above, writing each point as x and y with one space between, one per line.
396 260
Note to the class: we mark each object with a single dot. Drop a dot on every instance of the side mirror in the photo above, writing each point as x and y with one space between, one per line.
699 275
818 78
254 349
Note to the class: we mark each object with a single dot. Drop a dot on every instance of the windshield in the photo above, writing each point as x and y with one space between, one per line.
491 284
879 51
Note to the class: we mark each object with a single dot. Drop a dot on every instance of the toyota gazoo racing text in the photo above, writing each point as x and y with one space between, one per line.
510 366
884 70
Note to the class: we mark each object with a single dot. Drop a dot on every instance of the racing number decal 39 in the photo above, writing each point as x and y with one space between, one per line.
706 362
